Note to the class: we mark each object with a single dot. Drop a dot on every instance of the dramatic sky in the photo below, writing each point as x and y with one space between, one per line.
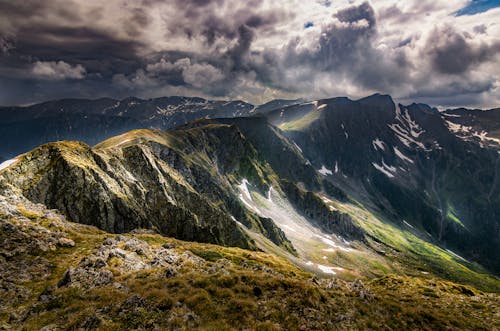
441 52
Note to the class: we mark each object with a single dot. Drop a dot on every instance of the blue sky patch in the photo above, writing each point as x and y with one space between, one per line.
308 25
478 6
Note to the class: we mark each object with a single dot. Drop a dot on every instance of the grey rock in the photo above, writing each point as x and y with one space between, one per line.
65 242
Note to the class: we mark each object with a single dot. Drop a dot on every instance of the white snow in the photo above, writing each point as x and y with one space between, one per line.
383 170
336 167
8 163
269 193
451 115
467 132
245 196
289 227
406 129
326 269
300 149
377 143
322 106
237 222
244 189
345 132
306 238
249 206
408 224
401 155
387 170
325 171
332 244
455 254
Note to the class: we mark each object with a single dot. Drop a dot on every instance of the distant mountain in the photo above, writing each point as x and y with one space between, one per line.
91 121
410 164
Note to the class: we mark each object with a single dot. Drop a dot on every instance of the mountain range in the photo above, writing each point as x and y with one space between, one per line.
350 189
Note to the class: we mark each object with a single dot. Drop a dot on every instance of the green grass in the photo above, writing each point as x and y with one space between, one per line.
302 122
451 215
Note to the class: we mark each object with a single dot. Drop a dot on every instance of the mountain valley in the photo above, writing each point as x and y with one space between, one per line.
365 205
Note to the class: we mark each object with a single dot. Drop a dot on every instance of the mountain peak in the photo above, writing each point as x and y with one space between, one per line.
378 100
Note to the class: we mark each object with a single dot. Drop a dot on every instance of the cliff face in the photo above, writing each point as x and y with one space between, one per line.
179 183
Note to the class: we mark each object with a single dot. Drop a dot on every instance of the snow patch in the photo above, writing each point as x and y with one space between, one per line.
377 143
237 222
322 107
336 167
406 129
325 171
289 227
408 224
249 206
300 149
456 255
401 155
467 132
8 163
244 189
332 244
326 269
451 115
385 169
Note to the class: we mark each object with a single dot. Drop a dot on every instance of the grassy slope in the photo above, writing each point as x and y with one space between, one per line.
408 253
256 291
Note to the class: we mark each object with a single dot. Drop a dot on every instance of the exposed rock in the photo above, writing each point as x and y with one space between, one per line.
361 290
65 242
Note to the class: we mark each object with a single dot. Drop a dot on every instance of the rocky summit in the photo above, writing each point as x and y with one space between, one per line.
294 215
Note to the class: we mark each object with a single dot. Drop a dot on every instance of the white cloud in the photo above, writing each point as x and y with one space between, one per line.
59 70
200 75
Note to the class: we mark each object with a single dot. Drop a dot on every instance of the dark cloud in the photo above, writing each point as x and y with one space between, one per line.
480 29
75 48
453 53
346 49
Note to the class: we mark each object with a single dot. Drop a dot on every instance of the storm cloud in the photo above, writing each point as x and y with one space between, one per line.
254 50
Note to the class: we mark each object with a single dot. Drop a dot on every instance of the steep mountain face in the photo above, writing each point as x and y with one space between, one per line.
179 183
406 164
478 125
92 121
